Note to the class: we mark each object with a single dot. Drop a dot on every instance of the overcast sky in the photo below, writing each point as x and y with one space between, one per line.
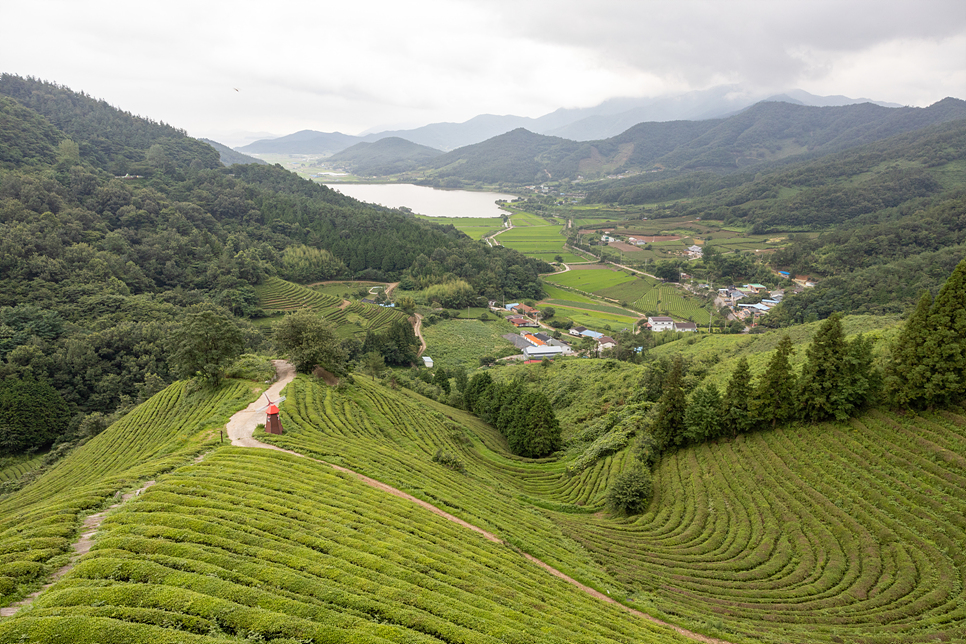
224 69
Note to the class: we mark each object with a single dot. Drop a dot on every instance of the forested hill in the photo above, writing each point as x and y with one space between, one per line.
391 155
112 226
764 133
813 193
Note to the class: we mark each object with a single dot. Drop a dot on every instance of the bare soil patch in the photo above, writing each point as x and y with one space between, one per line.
624 246
592 267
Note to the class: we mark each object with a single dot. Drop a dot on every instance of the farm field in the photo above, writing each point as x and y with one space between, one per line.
590 280
736 533
344 290
473 227
596 320
13 467
38 523
555 292
452 343
590 306
642 293
669 300
536 237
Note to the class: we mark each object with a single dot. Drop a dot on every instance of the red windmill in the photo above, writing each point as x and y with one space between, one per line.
272 424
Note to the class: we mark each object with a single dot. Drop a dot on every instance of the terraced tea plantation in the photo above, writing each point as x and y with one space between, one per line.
826 533
263 546
276 296
803 535
38 523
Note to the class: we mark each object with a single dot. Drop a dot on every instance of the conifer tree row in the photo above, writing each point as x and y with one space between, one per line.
928 365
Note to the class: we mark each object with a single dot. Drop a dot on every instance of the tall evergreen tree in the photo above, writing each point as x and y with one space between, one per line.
822 391
542 427
946 342
775 393
737 416
702 419
669 425
907 372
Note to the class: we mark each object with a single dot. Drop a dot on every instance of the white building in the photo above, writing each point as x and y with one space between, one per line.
539 353
661 323
428 361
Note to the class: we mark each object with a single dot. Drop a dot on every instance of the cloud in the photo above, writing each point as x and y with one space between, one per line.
349 66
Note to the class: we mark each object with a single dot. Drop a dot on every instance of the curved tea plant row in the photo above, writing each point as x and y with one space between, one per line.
276 295
827 533
803 534
38 523
17 469
266 546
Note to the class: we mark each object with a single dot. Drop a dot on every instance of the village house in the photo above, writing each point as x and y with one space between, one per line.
532 339
694 252
606 342
523 309
520 321
577 331
685 327
660 323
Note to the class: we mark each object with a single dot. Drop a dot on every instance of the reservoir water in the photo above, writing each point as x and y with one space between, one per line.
426 201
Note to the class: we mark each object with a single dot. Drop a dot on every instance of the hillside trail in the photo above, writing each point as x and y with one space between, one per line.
418 328
81 547
242 425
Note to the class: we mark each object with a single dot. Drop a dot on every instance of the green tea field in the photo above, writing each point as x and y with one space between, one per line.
277 296
834 532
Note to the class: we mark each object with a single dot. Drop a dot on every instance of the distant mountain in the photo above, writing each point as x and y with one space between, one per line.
229 156
302 142
386 156
602 121
519 156
767 131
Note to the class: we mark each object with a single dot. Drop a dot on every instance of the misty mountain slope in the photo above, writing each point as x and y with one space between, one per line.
763 133
230 157
302 142
385 156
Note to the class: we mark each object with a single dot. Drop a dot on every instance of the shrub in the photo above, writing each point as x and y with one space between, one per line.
630 493
449 461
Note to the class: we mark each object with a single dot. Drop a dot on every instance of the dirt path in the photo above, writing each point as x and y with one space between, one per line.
243 423
492 242
418 328
81 547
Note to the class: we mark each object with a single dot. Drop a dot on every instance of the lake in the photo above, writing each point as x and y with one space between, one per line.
426 201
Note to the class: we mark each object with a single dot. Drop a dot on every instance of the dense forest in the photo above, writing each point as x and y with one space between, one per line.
113 226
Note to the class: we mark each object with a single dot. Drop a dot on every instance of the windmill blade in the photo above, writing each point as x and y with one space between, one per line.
280 400
263 408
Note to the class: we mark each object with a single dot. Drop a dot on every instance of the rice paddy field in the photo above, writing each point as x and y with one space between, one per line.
474 227
591 279
536 237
